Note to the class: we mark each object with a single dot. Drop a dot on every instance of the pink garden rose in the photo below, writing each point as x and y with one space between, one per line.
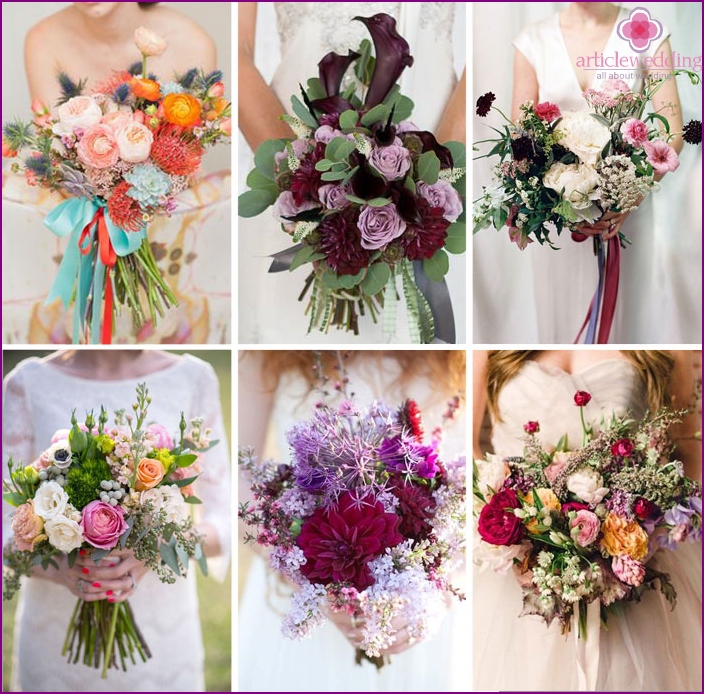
78 112
160 435
547 111
661 156
117 119
98 147
102 524
559 461
27 527
584 528
635 132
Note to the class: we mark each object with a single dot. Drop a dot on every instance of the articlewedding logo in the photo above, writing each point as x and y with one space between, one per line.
640 29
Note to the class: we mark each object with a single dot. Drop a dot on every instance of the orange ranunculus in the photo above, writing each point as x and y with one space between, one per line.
181 109
149 473
219 105
145 89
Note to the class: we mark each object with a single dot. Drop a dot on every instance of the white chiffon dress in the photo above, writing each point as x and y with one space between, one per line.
268 662
38 399
646 648
658 300
269 310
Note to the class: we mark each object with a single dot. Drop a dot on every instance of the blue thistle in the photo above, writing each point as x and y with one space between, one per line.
18 134
186 80
135 69
121 94
69 88
39 164
211 78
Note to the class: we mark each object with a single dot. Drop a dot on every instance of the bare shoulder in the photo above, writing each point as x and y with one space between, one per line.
176 27
50 29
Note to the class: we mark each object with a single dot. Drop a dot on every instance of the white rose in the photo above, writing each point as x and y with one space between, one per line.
78 112
50 500
134 142
583 135
497 559
577 183
173 504
492 473
587 484
60 454
151 496
64 533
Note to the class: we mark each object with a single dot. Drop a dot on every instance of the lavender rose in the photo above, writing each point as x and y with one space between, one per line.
285 206
299 149
102 524
442 194
326 133
379 226
392 162
332 197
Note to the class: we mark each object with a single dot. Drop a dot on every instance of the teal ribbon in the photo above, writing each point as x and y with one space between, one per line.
84 271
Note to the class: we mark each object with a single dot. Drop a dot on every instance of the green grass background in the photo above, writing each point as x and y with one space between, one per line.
213 596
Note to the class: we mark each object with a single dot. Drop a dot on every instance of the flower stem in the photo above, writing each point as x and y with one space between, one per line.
111 638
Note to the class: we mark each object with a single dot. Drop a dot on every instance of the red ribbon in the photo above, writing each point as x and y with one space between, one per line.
611 276
109 258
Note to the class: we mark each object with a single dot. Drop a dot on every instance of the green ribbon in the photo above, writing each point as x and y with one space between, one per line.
84 270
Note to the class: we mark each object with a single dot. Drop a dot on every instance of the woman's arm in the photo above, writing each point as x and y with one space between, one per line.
666 102
453 123
683 390
525 84
479 400
259 108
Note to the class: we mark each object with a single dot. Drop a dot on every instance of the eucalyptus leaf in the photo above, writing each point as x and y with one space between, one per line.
349 281
348 120
456 241
168 556
192 500
436 267
377 114
306 254
252 203
378 202
264 157
376 278
315 89
428 167
459 153
355 199
334 176
323 165
301 110
258 181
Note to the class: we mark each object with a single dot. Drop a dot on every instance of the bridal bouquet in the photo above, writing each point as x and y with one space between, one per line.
365 519
368 199
98 488
579 526
563 170
121 153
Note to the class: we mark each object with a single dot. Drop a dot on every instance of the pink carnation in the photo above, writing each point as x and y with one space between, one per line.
547 111
635 132
661 156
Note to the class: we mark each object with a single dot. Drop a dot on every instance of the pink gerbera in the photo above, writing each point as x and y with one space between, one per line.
661 156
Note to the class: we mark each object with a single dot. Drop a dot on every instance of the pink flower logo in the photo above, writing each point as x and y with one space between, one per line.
640 29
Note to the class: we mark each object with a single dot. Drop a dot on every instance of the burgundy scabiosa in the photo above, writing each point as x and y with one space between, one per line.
340 541
484 103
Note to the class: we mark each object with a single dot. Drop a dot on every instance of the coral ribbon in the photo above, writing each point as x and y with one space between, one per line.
109 258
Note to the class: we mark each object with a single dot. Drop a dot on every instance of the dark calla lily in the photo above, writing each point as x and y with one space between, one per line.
332 68
393 56
430 144
384 135
365 184
406 204
332 104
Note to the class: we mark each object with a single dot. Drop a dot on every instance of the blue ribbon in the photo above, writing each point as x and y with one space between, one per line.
70 218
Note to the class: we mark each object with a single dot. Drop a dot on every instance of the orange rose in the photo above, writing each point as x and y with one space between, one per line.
181 109
149 473
145 89
622 536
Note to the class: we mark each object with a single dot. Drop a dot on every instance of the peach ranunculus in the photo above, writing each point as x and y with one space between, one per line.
144 88
42 115
27 527
623 536
549 502
149 43
181 109
149 473
98 147
226 126
134 142
219 105
78 112
7 151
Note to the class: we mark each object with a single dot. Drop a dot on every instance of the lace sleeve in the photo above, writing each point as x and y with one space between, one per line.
17 433
213 486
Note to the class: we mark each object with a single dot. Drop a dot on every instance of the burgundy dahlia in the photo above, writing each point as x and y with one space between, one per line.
497 524
340 240
416 506
306 180
340 541
423 240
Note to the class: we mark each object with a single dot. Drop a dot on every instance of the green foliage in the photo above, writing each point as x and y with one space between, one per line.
83 481
428 167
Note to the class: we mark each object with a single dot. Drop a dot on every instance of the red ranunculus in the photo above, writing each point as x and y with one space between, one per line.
574 506
339 542
622 447
645 509
582 398
497 523
531 427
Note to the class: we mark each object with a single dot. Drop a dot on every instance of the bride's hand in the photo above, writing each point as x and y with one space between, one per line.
114 578
352 629
607 227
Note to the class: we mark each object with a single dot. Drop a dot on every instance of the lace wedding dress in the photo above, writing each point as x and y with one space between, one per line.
269 311
325 663
646 648
38 400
